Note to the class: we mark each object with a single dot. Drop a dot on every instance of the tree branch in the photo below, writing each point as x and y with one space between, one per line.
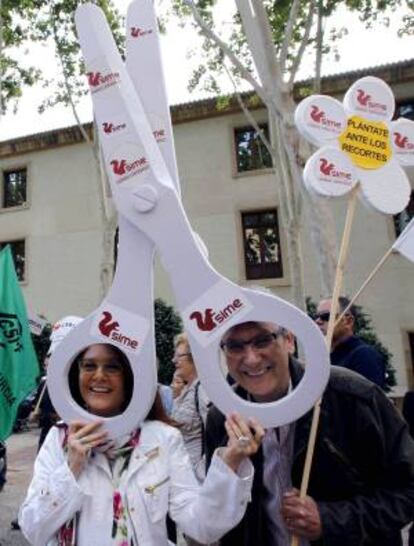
265 40
293 14
319 43
211 35
302 46
68 86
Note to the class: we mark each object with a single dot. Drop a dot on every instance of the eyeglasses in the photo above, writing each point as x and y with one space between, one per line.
234 347
177 357
324 316
90 367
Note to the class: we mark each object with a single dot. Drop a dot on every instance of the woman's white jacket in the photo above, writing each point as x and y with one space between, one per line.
159 479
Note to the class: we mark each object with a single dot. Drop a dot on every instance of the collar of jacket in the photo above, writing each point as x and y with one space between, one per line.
147 450
302 425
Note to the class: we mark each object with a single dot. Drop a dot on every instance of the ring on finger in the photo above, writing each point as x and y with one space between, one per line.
243 441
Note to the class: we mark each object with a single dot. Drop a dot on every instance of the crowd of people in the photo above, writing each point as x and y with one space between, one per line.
221 479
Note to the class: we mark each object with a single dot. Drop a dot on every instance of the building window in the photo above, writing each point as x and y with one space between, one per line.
14 188
261 241
19 256
402 219
251 153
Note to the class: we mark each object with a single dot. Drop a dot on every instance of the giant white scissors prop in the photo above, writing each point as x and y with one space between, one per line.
144 185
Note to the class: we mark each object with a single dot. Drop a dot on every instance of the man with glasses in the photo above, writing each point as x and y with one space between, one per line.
348 350
361 489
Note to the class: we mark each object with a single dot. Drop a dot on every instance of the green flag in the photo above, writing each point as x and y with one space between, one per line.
18 363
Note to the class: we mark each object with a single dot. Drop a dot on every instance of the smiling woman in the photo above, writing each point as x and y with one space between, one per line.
101 380
86 490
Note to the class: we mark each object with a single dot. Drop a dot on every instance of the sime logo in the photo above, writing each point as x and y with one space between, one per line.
319 116
328 169
110 328
402 141
98 81
159 135
122 167
365 100
209 319
137 32
111 128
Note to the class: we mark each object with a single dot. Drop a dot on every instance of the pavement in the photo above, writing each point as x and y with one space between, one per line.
21 452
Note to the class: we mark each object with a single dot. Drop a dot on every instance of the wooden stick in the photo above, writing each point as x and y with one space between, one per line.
339 276
365 284
39 400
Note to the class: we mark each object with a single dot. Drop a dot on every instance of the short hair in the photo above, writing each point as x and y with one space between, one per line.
281 330
343 303
73 377
181 338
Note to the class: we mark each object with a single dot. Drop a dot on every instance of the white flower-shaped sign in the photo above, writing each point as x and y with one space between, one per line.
358 142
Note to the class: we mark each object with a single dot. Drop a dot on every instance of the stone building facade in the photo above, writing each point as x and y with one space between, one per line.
50 211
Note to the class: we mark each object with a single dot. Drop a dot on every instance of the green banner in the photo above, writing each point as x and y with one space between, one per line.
18 363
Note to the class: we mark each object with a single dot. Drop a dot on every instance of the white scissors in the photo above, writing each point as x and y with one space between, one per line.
144 184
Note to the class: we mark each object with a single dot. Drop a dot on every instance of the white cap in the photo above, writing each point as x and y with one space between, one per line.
60 330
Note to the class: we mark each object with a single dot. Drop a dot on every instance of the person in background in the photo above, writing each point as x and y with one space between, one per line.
348 350
177 384
44 411
89 492
408 414
190 410
166 397
191 406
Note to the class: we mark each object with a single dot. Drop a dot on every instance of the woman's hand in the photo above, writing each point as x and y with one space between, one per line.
244 439
81 439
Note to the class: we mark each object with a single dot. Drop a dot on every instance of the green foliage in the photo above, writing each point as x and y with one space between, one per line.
363 328
167 325
51 23
370 12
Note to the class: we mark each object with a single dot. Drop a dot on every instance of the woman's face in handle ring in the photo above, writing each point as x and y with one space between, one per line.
102 380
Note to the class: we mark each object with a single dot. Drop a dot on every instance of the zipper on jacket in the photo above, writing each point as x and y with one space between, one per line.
151 488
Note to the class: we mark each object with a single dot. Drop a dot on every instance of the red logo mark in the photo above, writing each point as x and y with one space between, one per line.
209 319
111 128
137 32
363 97
159 134
317 114
110 328
365 100
123 167
402 141
96 79
106 327
328 169
206 323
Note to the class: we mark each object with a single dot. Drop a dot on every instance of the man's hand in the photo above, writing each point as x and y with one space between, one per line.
301 515
245 438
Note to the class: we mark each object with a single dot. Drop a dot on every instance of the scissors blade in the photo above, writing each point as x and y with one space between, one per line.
131 155
144 65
